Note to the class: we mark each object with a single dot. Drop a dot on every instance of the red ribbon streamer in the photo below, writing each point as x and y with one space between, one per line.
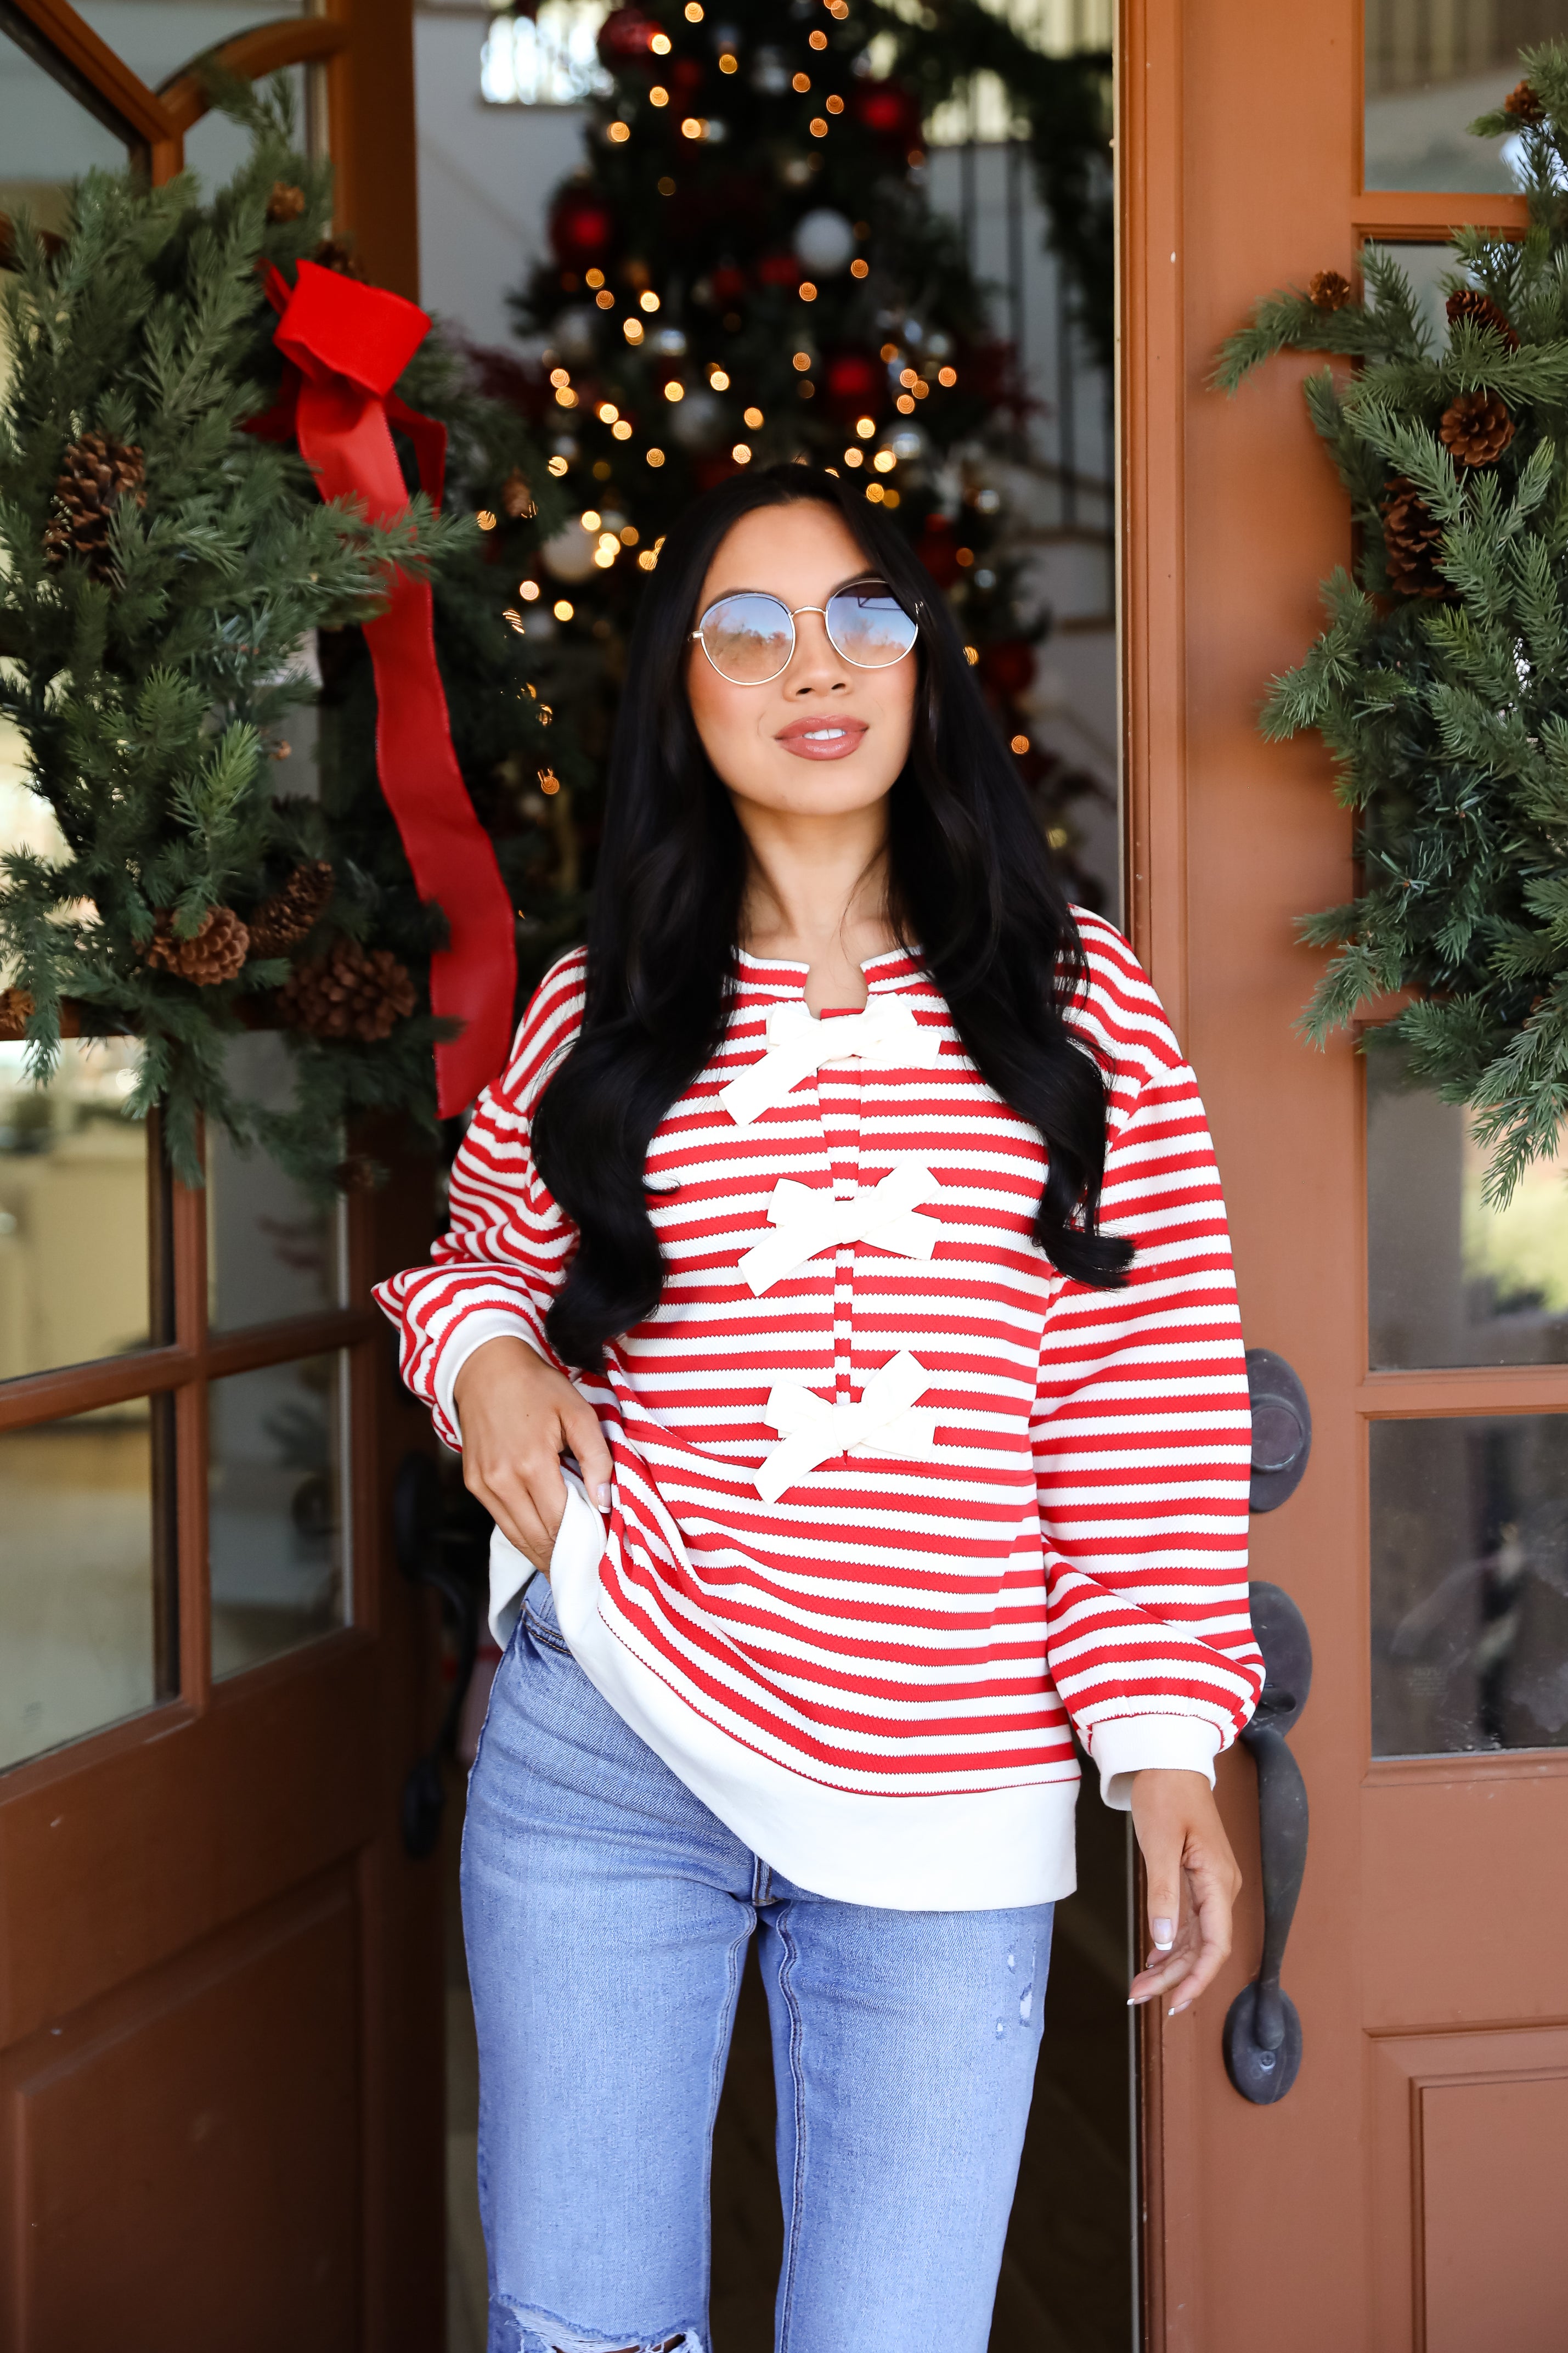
347 344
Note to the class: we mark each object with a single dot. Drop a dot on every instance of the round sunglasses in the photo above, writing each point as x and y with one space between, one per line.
750 637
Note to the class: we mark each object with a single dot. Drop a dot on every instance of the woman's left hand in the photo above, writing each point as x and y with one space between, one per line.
1193 1883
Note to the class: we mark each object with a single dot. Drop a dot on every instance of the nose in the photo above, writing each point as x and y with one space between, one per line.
815 667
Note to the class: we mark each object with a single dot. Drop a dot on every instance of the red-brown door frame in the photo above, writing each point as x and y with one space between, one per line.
1239 157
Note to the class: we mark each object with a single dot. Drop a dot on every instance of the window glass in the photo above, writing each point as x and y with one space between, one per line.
1469 1584
1449 1280
80 1615
272 1250
549 58
1432 65
277 1532
73 1208
47 139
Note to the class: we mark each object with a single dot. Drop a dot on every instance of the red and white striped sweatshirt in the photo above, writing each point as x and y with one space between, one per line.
896 1505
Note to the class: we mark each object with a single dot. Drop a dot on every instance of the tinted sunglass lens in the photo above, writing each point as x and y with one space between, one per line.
748 639
868 626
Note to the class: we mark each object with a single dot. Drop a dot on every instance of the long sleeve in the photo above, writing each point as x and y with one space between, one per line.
507 1247
1143 1432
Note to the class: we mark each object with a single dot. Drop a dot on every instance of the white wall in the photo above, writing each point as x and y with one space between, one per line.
486 174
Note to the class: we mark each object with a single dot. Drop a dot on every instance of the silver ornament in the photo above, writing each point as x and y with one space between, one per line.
823 241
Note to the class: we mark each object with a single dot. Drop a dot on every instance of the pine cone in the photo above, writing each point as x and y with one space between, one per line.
282 921
1328 290
1480 309
215 953
1476 428
96 475
16 1011
1523 105
333 254
286 203
516 496
350 992
1412 541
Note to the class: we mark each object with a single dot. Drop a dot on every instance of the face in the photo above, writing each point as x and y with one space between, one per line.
824 737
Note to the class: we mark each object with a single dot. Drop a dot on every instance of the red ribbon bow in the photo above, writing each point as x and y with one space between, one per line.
347 344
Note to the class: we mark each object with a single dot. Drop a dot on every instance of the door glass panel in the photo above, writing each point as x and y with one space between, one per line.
157 38
73 1208
278 1533
1469 1584
1432 65
47 139
81 1598
1451 1281
272 1250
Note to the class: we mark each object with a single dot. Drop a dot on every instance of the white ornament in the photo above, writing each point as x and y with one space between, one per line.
570 554
572 334
699 421
823 241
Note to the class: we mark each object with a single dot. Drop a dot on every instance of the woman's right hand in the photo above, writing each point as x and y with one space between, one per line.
518 1417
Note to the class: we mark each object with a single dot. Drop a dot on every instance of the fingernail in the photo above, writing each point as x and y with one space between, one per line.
602 1496
1176 2010
1164 1934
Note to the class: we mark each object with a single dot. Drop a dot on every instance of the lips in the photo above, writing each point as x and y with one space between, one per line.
821 739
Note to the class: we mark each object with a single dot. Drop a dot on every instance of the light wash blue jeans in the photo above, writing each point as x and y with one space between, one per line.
607 1914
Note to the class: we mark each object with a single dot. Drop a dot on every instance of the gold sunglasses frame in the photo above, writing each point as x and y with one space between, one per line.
696 637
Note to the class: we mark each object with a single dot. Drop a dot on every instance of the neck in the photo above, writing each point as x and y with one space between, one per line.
816 893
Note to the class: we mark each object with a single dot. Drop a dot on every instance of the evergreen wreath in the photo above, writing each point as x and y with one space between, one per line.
167 577
1440 683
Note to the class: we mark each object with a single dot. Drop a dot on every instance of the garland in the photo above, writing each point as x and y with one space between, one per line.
939 46
1440 682
170 573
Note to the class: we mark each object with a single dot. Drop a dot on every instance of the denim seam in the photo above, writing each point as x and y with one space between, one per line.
798 2095
538 1631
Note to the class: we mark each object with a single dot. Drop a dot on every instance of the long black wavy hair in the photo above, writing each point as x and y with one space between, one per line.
970 883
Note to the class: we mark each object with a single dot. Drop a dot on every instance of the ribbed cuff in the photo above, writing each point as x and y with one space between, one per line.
1125 1745
484 1324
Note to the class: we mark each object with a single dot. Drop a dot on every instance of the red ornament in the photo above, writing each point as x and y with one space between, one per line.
686 77
626 38
1007 666
777 269
727 284
937 548
855 384
582 229
890 112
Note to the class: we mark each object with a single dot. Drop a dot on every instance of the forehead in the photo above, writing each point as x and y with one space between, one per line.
799 551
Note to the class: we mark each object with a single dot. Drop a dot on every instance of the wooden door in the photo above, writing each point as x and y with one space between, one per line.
1407 2193
220 1973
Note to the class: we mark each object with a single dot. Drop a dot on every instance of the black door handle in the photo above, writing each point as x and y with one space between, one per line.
1262 2027
442 1542
1281 1430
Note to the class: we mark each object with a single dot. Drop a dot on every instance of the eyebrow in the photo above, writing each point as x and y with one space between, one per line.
751 588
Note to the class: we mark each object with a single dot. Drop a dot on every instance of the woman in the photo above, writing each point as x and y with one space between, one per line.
847 1217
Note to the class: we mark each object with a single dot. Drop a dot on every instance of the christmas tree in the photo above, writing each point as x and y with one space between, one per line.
167 569
1440 683
746 270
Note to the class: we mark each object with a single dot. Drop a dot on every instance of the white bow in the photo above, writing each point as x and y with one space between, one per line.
810 1220
798 1044
886 1421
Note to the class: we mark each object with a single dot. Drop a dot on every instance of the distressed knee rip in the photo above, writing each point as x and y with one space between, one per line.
541 2332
